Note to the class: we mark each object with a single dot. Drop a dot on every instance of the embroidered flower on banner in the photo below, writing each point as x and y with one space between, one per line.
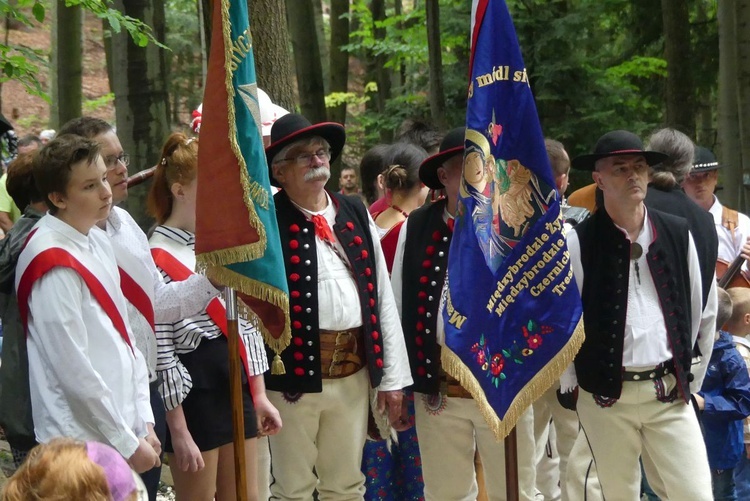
494 364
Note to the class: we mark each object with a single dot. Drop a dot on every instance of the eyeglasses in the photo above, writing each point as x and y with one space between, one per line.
305 159
111 160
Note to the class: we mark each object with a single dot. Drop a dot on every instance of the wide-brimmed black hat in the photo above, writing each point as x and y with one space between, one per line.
704 160
617 143
452 144
294 127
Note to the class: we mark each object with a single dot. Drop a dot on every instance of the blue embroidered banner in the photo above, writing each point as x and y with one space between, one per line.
512 310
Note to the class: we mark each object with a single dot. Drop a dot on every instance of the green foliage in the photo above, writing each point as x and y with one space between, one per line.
185 61
90 105
140 32
405 49
23 63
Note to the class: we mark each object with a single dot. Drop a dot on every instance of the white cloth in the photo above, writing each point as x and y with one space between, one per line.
645 343
172 302
339 307
85 382
450 430
322 431
730 248
638 423
186 334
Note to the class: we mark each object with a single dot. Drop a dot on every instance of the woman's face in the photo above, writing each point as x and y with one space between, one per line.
474 168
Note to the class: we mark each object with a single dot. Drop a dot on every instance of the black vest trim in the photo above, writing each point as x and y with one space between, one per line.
605 257
426 248
302 358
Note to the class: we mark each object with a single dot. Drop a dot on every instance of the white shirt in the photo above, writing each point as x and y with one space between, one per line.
339 307
85 381
186 334
172 302
646 343
730 248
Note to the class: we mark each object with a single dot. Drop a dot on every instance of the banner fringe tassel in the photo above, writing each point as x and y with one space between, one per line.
534 389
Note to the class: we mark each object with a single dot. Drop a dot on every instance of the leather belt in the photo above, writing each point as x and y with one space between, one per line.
451 387
657 372
341 352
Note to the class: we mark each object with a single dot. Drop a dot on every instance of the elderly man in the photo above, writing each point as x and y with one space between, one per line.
639 277
345 327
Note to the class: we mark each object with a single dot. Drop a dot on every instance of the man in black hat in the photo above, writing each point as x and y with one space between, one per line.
345 327
639 277
732 227
449 423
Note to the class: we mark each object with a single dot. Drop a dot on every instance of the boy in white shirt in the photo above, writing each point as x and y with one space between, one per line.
88 380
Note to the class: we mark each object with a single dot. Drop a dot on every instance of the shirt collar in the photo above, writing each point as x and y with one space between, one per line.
178 235
68 231
113 221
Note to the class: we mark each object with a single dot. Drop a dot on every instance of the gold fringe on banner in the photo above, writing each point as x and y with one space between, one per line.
534 389
263 292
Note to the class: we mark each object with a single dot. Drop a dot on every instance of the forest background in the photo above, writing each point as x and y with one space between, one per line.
593 65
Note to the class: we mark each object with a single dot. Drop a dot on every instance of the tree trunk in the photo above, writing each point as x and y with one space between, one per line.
309 69
729 151
382 74
339 59
437 94
141 100
273 61
66 71
204 21
323 46
679 96
743 98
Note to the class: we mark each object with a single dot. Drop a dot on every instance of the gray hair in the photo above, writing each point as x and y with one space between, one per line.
680 150
308 141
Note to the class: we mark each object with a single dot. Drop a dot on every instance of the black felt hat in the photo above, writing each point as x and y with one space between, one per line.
451 145
704 160
294 127
617 143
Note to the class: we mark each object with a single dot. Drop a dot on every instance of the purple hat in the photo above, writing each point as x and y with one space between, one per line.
116 469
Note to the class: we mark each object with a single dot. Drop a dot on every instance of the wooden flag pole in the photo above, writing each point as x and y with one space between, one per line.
235 387
511 466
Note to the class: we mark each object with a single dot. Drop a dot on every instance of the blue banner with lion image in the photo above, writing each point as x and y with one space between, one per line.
512 310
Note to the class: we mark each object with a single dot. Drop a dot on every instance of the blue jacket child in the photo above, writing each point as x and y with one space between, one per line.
726 390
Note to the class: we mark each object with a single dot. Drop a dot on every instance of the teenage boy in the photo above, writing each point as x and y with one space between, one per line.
87 379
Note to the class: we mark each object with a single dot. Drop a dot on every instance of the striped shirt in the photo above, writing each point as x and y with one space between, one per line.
185 335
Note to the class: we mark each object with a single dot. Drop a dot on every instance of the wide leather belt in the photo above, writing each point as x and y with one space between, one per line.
451 387
342 353
657 372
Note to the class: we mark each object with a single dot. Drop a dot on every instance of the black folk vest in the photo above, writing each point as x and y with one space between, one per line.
428 240
605 257
302 357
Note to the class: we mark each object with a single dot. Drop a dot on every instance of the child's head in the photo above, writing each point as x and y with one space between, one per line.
66 469
739 324
20 181
175 172
724 311
71 176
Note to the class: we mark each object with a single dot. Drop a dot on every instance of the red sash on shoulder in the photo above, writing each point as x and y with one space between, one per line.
137 296
215 310
54 257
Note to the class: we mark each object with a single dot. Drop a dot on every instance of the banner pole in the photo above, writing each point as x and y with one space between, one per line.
511 466
235 388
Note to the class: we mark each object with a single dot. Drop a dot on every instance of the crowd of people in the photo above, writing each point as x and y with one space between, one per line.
115 351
